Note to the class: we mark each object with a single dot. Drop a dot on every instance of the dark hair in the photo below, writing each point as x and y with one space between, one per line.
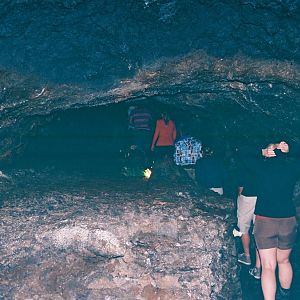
280 154
166 117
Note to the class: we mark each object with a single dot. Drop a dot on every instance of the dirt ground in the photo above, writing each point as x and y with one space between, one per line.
20 195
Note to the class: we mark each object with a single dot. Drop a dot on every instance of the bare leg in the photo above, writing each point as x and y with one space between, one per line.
285 270
246 243
257 261
268 279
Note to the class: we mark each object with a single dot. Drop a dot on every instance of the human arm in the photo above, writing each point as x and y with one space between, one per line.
130 121
293 151
155 136
174 133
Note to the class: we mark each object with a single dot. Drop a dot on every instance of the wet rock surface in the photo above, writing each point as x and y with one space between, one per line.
104 239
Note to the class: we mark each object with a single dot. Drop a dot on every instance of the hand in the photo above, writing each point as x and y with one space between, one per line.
268 152
283 146
273 146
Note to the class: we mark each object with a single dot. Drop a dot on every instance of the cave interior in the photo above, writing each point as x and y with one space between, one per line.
95 140
228 72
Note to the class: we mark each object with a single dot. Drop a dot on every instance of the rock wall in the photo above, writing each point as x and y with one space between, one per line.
107 242
98 42
220 60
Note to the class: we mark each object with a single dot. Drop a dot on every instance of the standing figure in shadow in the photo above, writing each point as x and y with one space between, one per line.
164 137
246 201
140 126
163 145
275 226
210 170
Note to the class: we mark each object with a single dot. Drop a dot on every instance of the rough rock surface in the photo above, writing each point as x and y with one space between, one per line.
220 60
99 239
230 65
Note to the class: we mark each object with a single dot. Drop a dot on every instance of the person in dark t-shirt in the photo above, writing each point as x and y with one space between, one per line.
210 170
276 171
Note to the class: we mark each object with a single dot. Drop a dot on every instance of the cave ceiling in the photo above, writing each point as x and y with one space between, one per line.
238 61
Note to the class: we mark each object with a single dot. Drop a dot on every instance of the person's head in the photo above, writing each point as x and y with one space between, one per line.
165 116
279 153
131 109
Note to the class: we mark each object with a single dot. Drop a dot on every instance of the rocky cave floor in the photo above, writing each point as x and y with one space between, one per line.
34 199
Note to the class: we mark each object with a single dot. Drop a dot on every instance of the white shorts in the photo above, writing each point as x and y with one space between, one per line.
245 212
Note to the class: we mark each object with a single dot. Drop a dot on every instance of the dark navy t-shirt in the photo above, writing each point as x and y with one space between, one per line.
276 178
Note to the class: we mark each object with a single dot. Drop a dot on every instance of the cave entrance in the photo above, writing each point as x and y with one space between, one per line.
95 139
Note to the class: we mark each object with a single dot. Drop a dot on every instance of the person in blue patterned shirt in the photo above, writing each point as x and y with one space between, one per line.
187 151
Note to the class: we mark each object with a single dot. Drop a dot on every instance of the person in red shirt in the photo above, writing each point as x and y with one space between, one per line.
164 136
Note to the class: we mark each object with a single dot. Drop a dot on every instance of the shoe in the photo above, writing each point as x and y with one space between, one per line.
243 259
255 272
282 294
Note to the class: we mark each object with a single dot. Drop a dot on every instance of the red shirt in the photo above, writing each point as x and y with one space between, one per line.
165 134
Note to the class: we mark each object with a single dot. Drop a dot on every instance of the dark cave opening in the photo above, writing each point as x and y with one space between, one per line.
94 142
95 139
